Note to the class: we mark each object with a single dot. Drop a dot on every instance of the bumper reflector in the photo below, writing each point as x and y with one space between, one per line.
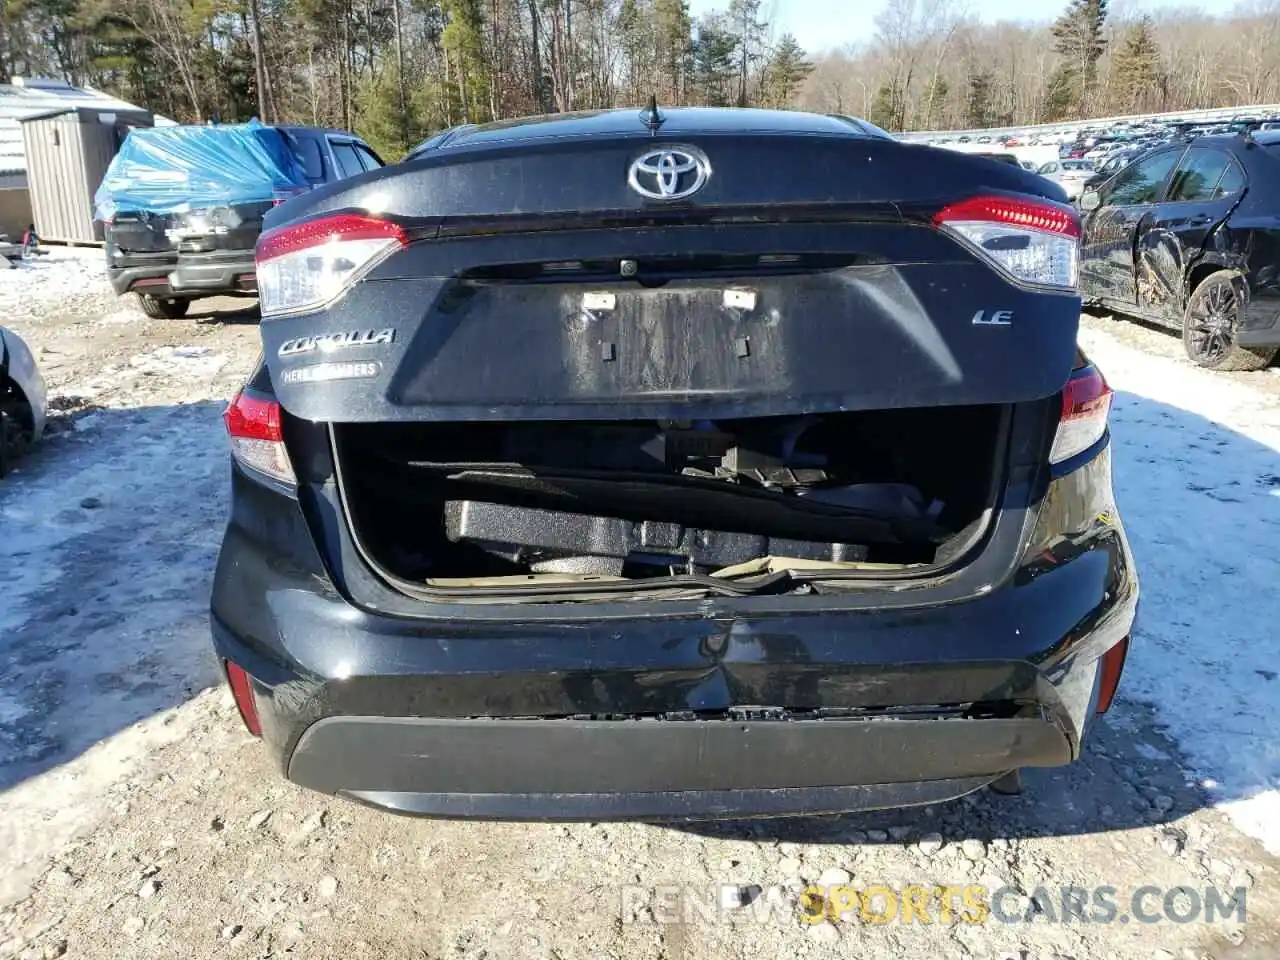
243 693
1112 666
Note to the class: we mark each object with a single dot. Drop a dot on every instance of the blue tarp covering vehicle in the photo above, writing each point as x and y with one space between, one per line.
177 169
182 207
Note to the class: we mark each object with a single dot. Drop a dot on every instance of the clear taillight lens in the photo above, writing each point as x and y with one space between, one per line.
1086 404
1033 241
304 266
257 440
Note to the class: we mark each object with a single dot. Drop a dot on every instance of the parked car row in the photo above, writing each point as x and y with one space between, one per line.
1077 140
184 206
1181 226
1071 175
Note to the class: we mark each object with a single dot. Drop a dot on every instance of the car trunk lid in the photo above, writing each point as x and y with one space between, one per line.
535 282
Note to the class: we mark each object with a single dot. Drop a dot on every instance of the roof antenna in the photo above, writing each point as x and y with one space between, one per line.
651 117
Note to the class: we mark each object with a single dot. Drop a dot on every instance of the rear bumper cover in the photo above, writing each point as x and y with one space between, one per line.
186 275
566 769
661 709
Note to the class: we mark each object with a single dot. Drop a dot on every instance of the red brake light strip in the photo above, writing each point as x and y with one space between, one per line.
312 233
1017 212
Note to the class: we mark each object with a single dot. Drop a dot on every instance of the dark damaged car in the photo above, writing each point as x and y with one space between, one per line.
697 464
1188 236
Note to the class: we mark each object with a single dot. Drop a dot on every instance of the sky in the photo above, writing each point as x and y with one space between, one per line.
822 24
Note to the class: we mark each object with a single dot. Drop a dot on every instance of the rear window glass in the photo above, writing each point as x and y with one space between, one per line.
367 157
1232 181
307 150
348 163
1198 175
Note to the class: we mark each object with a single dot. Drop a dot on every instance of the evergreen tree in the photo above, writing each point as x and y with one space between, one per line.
714 65
934 101
979 107
380 120
1138 72
884 107
463 39
1059 96
635 31
673 40
1078 39
399 70
784 73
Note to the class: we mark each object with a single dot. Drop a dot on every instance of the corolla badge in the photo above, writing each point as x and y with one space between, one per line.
669 173
329 342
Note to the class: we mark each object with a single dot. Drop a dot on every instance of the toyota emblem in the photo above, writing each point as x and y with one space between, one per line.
669 173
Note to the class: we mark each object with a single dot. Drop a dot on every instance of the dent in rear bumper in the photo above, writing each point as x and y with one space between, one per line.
434 689
1032 640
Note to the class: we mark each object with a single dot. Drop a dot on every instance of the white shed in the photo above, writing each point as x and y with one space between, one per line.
22 98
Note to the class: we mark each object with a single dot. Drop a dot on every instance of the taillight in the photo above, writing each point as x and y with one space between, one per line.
243 694
1086 402
304 266
257 442
1033 241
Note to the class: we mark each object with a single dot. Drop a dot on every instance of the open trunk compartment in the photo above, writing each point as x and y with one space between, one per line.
768 501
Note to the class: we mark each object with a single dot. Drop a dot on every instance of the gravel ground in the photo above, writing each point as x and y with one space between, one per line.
157 828
1165 342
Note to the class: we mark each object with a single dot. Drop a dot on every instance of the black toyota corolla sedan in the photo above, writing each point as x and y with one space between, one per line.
1188 236
683 464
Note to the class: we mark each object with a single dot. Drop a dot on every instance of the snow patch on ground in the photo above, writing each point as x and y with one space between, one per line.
1149 752
60 275
193 366
180 361
107 545
1197 473
125 315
